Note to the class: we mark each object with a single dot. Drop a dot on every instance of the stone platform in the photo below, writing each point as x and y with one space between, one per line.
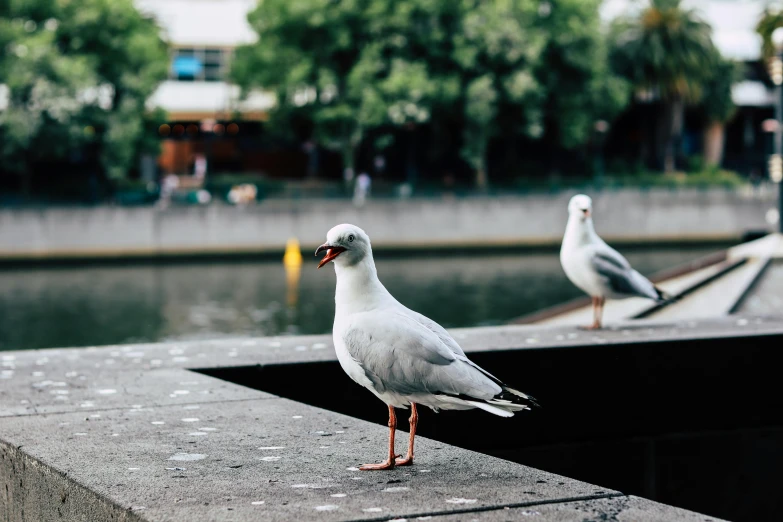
131 433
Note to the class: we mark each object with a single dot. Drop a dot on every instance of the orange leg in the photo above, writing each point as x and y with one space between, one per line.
389 463
414 421
598 310
598 313
601 302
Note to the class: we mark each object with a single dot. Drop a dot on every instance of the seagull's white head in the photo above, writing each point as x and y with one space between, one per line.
580 206
346 245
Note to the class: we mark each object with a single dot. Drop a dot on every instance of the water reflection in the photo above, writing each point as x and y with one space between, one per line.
52 307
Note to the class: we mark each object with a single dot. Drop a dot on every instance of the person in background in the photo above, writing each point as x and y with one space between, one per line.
200 167
379 162
168 185
361 189
348 178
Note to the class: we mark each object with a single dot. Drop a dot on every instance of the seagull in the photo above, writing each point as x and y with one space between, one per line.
401 356
596 268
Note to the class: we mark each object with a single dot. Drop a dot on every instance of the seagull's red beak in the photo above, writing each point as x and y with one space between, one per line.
331 253
586 212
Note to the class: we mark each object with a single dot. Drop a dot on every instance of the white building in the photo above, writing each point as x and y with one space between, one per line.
203 35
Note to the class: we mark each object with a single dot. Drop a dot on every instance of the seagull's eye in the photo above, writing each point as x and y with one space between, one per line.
350 238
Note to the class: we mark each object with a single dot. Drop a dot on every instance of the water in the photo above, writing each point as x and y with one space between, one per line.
90 306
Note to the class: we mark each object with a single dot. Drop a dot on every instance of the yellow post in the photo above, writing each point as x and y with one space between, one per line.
292 262
293 254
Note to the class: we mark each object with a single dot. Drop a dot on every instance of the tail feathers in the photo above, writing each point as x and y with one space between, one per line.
507 402
491 409
517 398
504 403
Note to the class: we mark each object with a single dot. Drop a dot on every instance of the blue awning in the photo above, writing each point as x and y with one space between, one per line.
187 66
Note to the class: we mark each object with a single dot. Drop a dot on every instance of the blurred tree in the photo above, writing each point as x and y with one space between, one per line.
485 69
574 71
667 52
718 107
77 75
350 65
496 49
320 59
771 19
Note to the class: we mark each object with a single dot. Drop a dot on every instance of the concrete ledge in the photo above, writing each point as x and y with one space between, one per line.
617 509
257 451
138 436
34 491
531 221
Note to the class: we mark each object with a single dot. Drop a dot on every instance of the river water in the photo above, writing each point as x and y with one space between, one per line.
99 305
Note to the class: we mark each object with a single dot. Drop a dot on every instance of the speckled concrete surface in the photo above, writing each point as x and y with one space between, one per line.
129 433
615 509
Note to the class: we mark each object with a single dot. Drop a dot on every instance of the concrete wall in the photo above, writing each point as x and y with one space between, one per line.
621 216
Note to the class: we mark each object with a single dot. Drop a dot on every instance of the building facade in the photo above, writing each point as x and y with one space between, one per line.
207 117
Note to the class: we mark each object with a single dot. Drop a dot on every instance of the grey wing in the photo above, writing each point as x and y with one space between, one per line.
611 255
448 340
438 330
618 274
399 354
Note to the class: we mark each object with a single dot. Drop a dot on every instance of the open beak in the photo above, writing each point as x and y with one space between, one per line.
331 253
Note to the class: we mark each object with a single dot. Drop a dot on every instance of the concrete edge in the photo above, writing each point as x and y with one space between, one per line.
500 507
726 267
237 250
760 271
35 490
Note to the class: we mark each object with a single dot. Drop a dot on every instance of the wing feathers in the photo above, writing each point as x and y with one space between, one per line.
407 357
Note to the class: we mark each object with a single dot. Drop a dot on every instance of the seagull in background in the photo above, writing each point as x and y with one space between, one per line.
402 357
596 268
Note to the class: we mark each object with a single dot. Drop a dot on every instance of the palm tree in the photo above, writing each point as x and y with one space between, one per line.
667 52
718 108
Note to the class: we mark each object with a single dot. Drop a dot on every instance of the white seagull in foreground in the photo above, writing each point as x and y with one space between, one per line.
595 267
401 356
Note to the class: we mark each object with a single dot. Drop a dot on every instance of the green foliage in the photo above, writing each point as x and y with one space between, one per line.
575 73
77 73
667 50
717 102
704 178
319 58
667 53
770 20
486 67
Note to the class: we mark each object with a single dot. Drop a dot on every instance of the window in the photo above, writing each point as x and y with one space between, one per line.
200 64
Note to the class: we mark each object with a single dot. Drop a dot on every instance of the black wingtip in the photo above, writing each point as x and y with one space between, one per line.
664 297
517 397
